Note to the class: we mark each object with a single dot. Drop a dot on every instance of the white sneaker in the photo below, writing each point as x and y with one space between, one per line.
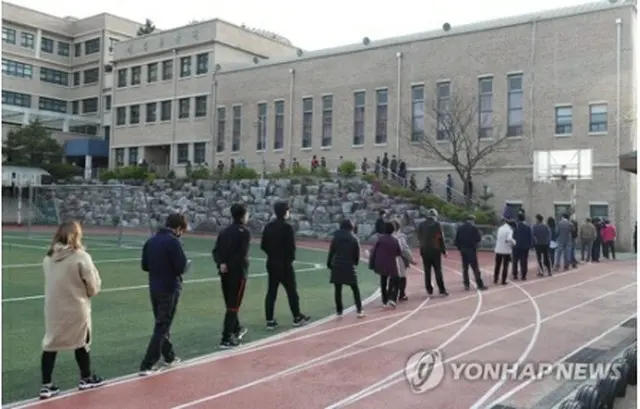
361 314
392 304
176 361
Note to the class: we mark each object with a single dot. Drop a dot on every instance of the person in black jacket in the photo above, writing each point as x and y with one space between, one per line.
432 249
164 259
231 255
597 243
343 258
279 244
467 239
380 223
523 235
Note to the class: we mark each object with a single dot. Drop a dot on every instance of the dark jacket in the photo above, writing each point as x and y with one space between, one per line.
541 234
467 236
344 256
279 244
164 259
380 226
232 249
431 237
523 236
382 258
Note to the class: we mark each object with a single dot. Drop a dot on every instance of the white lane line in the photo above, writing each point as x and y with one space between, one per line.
390 381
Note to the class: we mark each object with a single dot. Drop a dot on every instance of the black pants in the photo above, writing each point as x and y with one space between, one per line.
609 250
520 259
337 295
402 286
470 260
595 250
233 285
285 276
433 261
389 289
542 255
83 360
501 266
164 310
552 257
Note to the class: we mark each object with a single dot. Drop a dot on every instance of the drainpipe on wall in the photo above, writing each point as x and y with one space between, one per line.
114 112
398 101
618 118
292 87
174 112
532 128
214 115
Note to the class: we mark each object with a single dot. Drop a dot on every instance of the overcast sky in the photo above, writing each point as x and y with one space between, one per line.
313 25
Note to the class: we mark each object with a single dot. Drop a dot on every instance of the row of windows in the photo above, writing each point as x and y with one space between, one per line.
598 119
185 110
86 77
16 99
600 210
17 69
182 154
89 106
47 45
50 75
164 70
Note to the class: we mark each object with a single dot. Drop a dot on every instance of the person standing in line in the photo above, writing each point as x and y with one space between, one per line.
564 230
71 280
609 239
342 260
503 250
553 244
380 223
403 262
635 238
432 249
573 242
467 240
542 238
449 187
279 244
587 237
597 242
231 255
164 259
382 260
523 236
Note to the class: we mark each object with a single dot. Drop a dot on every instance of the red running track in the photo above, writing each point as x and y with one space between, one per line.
359 363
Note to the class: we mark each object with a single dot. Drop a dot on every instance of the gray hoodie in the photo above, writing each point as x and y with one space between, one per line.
564 229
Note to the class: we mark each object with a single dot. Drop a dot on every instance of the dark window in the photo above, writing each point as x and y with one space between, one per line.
133 156
17 69
136 74
202 63
89 105
184 108
122 77
75 107
119 156
121 116
8 35
327 121
199 152
261 127
278 137
236 130
152 72
485 108
599 210
183 153
515 108
53 105
564 120
152 115
91 76
417 113
78 50
185 66
165 111
134 114
27 40
63 49
92 46
359 100
107 103
444 121
76 79
201 106
47 45
382 112
307 122
16 99
54 76
598 118
222 128
167 70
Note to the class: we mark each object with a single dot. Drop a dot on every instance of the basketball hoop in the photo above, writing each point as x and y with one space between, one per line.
560 179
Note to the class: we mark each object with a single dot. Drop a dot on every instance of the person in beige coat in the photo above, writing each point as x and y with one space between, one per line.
71 280
404 261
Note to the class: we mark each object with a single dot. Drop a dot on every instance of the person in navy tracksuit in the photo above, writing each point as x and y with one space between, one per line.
467 240
523 236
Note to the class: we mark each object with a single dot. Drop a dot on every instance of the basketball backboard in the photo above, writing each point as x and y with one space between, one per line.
573 164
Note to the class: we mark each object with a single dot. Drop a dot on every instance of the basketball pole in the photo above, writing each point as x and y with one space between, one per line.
618 118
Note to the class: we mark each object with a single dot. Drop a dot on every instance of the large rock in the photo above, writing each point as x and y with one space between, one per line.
317 206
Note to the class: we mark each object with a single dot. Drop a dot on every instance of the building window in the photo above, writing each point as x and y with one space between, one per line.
92 46
201 106
513 207
63 49
134 114
382 110
598 118
600 211
417 113
119 156
91 76
107 103
75 107
185 66
261 141
222 127
564 120
17 69
165 111
359 99
485 108
327 121
183 153
202 63
152 72
16 99
121 116
443 95
54 76
107 133
122 77
152 112
515 114
76 79
184 106
236 128
112 43
167 70
560 209
89 105
199 152
47 45
77 50
133 156
278 137
307 122
53 105
8 35
136 75
27 40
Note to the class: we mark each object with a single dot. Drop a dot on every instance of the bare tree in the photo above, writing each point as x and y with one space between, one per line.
464 135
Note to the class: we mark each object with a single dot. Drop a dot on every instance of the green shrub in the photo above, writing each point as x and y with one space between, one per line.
347 169
127 173
199 173
171 175
62 171
242 173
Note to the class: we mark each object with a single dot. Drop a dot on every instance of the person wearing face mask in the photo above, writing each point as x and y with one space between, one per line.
279 244
165 261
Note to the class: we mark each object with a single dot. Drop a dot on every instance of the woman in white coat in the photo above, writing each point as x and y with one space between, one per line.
503 250
403 262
